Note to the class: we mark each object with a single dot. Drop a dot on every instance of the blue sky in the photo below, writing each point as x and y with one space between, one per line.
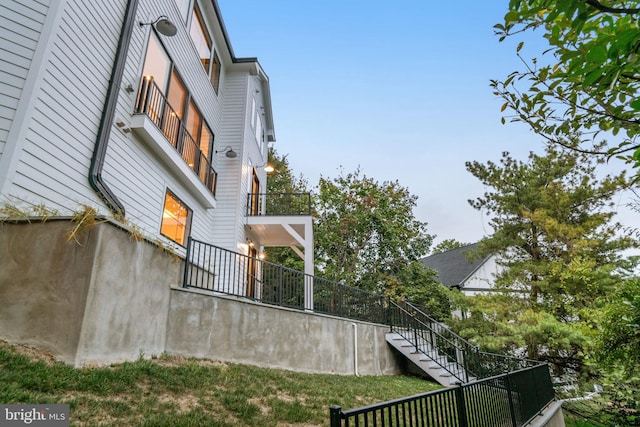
400 89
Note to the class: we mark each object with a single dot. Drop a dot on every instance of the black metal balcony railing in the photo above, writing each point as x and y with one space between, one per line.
512 399
272 204
212 268
152 103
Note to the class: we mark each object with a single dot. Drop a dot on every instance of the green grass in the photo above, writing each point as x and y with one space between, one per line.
187 392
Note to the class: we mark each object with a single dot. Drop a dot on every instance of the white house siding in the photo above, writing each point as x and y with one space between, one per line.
482 278
20 27
58 144
135 174
231 185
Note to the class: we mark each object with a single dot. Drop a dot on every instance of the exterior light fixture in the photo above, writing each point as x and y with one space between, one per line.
228 151
163 26
267 167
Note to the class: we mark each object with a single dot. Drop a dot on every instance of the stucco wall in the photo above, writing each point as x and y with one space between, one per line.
44 281
240 331
128 301
99 300
109 298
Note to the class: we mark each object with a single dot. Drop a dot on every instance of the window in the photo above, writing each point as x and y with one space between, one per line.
166 100
201 39
203 42
215 72
176 219
157 64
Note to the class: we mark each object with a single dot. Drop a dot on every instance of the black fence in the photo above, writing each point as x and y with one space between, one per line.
511 399
279 204
450 351
215 269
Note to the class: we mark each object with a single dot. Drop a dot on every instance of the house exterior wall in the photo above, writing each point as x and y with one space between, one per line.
483 278
54 141
21 28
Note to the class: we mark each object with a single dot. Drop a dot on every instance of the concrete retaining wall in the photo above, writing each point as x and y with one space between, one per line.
44 282
109 298
241 331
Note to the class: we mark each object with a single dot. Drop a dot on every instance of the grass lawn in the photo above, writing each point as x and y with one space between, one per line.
173 391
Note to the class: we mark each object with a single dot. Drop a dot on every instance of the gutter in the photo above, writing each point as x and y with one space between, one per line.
108 112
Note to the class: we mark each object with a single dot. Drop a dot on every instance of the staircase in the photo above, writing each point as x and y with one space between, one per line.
439 352
427 359
431 345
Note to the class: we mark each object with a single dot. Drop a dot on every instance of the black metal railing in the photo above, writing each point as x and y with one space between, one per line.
283 204
510 399
450 351
152 103
216 269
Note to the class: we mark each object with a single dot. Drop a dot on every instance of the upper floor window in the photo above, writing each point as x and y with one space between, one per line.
202 39
165 99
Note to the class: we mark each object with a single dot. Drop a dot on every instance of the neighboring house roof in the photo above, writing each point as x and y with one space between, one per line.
453 267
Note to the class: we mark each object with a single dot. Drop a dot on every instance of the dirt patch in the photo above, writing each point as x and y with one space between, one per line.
32 353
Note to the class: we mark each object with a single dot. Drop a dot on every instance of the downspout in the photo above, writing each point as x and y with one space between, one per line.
108 112
355 349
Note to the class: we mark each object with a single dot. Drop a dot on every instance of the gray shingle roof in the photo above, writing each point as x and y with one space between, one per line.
453 267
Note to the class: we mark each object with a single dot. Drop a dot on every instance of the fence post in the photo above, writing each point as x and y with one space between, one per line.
335 412
512 409
187 261
461 406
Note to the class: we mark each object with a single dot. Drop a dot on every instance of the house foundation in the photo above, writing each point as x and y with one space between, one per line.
103 296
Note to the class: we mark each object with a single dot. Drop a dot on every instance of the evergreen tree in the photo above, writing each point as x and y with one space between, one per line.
553 233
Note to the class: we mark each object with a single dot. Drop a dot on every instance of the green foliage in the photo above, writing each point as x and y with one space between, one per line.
560 252
447 245
585 88
418 285
365 230
619 343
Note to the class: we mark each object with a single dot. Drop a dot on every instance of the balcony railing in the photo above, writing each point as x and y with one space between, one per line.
152 103
279 204
219 270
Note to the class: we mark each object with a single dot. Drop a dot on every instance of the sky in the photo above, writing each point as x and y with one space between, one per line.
399 89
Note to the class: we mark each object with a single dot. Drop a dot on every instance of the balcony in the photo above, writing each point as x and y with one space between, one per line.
156 122
282 219
279 204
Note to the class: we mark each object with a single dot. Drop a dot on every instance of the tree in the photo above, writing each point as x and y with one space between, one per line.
365 230
553 233
585 89
447 245
419 285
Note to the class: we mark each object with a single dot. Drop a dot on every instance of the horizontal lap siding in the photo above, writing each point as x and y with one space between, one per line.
59 143
20 27
232 185
132 170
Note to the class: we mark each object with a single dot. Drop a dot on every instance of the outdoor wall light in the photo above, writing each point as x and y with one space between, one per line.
228 151
267 167
163 26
